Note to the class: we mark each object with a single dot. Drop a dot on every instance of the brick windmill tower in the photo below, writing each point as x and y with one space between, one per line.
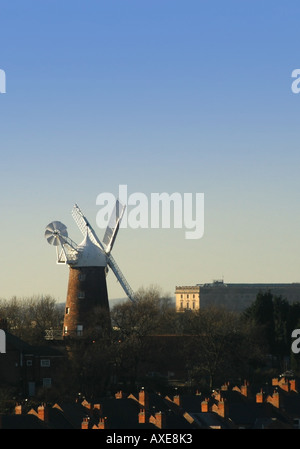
88 267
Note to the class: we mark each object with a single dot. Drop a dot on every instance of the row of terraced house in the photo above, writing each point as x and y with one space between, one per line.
274 406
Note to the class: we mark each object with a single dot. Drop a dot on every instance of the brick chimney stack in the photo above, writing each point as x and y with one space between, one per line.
159 420
245 389
85 422
143 398
285 384
274 399
205 406
260 397
217 395
102 423
220 408
293 386
18 409
119 395
43 413
176 400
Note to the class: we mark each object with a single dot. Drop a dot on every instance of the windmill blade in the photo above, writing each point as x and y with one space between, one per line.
121 278
113 226
85 226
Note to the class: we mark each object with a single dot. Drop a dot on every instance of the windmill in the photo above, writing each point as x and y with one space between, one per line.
89 263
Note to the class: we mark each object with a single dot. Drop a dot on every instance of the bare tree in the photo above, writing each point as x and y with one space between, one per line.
133 323
29 317
222 345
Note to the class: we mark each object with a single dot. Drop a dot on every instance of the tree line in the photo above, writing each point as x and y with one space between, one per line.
277 319
211 345
29 317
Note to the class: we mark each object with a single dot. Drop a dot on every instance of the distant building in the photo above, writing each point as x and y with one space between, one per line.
187 298
232 296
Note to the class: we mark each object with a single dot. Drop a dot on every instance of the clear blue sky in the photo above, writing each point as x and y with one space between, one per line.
164 96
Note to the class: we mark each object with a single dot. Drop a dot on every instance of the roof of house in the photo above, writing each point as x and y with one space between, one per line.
275 407
47 350
21 422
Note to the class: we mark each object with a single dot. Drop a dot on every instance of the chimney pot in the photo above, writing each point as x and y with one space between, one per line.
85 423
142 416
102 423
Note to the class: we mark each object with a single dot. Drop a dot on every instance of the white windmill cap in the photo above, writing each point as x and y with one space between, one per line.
90 255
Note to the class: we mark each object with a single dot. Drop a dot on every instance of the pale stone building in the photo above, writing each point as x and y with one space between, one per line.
187 298
235 297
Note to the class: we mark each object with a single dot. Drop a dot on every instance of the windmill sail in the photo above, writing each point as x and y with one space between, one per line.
113 226
85 226
121 278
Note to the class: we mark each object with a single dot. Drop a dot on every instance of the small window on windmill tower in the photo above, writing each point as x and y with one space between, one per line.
81 295
81 277
79 329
